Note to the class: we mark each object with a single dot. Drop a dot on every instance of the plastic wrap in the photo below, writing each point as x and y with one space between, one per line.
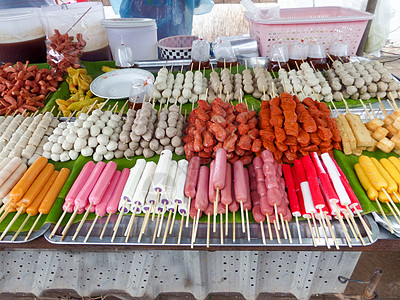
200 50
173 17
81 21
223 51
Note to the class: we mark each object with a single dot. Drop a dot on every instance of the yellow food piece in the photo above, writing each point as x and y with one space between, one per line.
106 69
372 193
392 171
372 173
360 132
81 104
349 132
392 186
345 138
385 145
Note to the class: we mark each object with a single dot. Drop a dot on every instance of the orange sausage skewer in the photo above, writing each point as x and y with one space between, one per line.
32 210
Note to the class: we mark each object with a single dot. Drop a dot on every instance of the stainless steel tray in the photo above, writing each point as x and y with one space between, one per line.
215 240
21 237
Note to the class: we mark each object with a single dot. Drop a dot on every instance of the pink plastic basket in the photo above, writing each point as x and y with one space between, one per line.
321 24
176 47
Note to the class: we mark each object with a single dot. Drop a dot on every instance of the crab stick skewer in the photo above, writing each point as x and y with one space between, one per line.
307 196
301 203
329 192
293 200
317 196
73 192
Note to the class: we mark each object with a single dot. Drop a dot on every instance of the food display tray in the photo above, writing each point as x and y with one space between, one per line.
21 237
201 238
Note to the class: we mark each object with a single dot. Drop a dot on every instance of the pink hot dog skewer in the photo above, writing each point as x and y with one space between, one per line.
239 181
78 185
226 193
220 169
212 193
191 177
101 207
201 202
82 198
112 205
102 183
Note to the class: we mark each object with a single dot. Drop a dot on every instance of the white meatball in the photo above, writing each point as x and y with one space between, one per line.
66 145
47 146
112 145
109 155
101 149
83 133
80 144
92 118
92 142
87 124
87 151
94 130
61 139
100 124
73 154
46 154
112 123
64 156
97 157
56 149
107 131
84 116
103 139
55 157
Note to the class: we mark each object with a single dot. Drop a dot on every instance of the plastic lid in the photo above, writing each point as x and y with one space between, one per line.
128 22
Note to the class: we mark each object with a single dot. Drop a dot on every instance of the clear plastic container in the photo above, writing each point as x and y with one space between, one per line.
84 18
140 90
22 36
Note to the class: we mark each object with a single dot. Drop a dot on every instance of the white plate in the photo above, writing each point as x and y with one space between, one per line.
117 84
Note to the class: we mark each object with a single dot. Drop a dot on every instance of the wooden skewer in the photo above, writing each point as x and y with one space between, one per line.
226 218
208 230
33 227
383 108
334 106
311 231
122 108
391 201
104 103
242 216
20 228
328 222
130 224
71 219
315 225
215 211
247 225
367 230
392 211
276 216
58 222
394 101
6 212
350 225
234 227
5 205
339 217
262 232
82 222
322 224
105 226
145 221
390 104
269 227
372 110
350 215
193 233
180 229
221 226
155 230
167 227
298 229
288 232
90 229
384 215
161 221
365 109
173 218
121 213
330 57
188 209
11 222
283 226
277 232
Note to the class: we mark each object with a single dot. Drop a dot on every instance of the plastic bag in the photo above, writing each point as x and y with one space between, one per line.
6 4
200 50
80 21
223 51
380 28
173 17
257 14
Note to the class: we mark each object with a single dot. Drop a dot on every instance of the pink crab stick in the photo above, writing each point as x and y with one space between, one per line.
102 183
112 205
101 207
